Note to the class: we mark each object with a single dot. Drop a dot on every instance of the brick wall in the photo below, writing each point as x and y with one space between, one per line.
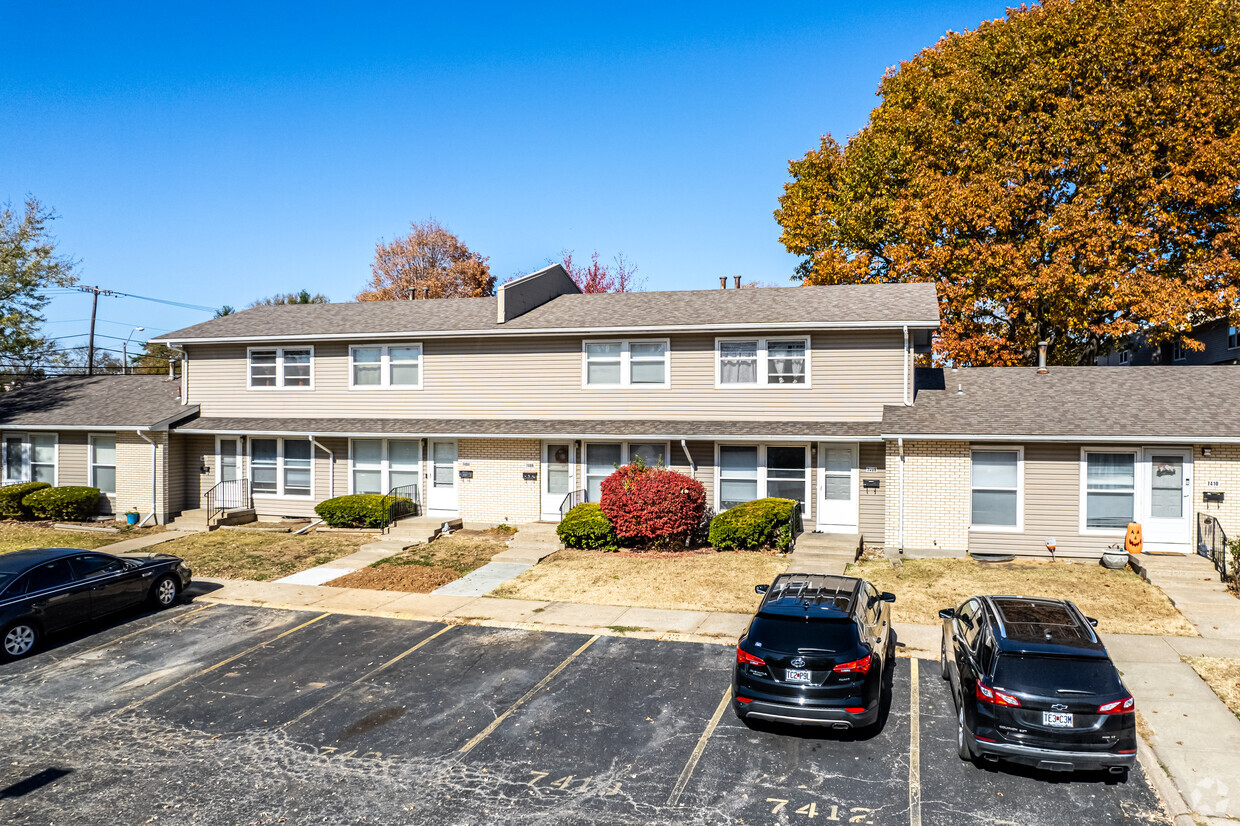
936 496
497 493
133 474
1222 466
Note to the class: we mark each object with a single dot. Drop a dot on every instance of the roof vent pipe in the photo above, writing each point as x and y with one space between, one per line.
736 281
723 282
1042 345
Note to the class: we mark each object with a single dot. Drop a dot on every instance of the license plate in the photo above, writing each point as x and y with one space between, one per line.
792 675
1057 719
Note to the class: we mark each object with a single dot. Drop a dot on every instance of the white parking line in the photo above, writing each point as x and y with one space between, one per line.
687 772
914 747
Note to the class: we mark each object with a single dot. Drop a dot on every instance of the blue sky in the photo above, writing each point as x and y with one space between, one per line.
219 153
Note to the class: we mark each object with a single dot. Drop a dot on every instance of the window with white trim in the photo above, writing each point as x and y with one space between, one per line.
760 362
1177 352
30 457
637 363
103 462
281 367
995 488
281 467
748 472
1233 338
386 365
603 458
382 464
1125 356
1110 489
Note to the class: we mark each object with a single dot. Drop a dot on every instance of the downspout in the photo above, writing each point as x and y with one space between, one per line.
900 443
906 367
331 466
692 464
154 478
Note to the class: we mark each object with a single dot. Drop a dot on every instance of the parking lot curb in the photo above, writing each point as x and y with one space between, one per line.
1172 800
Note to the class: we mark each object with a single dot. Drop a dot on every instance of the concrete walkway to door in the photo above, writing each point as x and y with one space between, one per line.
1192 584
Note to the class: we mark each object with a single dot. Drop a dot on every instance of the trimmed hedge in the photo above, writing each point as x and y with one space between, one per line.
360 510
588 528
73 503
752 526
11 497
652 505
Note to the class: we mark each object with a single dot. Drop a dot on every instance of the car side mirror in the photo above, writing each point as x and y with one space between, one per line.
947 613
760 589
131 564
887 596
1092 621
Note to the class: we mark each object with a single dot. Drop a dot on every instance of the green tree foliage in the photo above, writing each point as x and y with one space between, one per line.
1069 173
301 297
29 264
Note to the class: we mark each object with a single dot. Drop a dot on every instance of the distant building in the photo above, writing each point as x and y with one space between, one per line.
1221 340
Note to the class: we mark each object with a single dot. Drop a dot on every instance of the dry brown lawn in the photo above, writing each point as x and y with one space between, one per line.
259 555
687 581
423 568
1122 602
15 536
1222 675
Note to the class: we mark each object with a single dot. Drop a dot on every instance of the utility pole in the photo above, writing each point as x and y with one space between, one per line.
94 305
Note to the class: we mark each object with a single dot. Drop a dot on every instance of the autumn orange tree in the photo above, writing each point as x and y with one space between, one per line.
1069 173
597 277
429 262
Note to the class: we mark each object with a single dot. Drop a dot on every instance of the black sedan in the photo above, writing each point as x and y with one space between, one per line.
1033 684
45 590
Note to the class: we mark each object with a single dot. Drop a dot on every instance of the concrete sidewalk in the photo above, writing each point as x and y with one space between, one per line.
128 546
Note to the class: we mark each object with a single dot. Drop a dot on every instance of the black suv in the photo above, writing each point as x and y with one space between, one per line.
1033 684
815 652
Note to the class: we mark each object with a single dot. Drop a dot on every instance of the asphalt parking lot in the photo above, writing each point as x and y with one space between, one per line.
222 714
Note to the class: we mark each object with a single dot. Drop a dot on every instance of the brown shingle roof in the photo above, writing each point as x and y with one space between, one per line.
94 401
855 304
1167 402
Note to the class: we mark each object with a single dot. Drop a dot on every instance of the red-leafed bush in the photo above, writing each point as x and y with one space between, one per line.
654 506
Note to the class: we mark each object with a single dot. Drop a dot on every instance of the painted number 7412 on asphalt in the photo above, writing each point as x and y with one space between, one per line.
856 814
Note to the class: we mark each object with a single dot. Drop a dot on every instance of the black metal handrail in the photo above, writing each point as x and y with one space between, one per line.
230 494
1212 543
796 526
399 502
571 500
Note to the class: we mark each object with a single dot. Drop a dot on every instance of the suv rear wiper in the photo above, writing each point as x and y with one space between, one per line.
816 651
1075 691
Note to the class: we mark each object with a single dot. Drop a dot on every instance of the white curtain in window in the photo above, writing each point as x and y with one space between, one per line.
738 362
786 362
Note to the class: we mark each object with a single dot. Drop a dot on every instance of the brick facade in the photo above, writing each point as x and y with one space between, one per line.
936 496
134 471
1221 466
497 493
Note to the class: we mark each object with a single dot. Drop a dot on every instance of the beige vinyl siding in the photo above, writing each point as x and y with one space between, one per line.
1052 508
871 507
198 451
175 460
852 374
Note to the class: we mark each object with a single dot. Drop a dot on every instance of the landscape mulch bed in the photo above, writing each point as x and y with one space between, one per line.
423 568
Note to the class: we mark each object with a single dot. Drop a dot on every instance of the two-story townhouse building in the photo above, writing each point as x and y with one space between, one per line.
500 409
1219 339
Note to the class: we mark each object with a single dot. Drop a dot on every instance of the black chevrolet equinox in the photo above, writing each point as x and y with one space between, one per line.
815 652
1033 684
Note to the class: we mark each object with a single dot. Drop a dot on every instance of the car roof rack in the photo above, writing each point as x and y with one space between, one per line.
803 591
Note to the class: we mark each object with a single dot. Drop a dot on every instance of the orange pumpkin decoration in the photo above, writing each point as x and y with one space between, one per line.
1132 540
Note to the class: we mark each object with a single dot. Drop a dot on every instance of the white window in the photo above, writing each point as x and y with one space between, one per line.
996 480
281 367
281 467
748 472
1177 352
382 464
30 458
640 363
1125 356
387 365
1109 489
602 459
762 362
1233 338
103 462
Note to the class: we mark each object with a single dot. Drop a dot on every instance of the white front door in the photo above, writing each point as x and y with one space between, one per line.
837 487
441 493
1167 518
557 477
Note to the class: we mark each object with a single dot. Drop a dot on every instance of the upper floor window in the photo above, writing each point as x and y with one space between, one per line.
281 367
1125 356
639 363
387 365
1233 338
1177 352
757 362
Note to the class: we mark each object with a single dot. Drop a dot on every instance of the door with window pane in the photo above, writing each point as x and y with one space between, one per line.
557 477
1167 519
441 494
837 488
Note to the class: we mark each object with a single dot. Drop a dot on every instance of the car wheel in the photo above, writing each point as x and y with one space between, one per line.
19 639
962 739
943 659
164 592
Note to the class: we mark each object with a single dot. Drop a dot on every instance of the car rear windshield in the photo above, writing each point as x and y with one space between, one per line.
1056 676
796 634
5 579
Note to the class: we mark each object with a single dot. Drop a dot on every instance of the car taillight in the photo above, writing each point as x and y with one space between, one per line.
744 699
861 666
745 658
1123 706
994 696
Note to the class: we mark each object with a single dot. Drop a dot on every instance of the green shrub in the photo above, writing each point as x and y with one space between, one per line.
752 526
74 504
361 510
11 497
587 527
